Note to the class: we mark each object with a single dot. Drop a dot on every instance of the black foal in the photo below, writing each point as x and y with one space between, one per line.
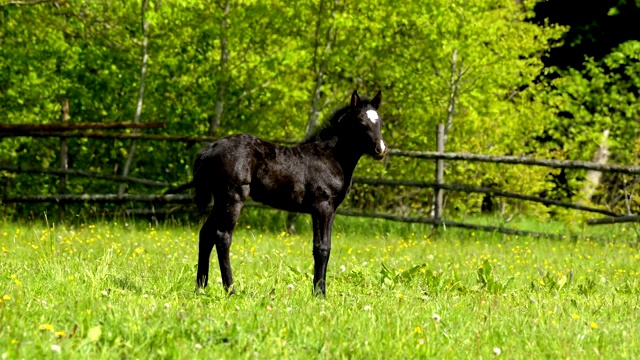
312 177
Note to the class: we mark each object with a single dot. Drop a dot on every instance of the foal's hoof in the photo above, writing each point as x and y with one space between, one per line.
199 290
319 294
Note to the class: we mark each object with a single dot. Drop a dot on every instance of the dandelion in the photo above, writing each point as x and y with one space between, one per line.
576 316
400 296
593 325
56 348
59 334
497 351
417 330
44 327
6 298
435 317
368 308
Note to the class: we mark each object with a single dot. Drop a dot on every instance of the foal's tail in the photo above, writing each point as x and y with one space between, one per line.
201 180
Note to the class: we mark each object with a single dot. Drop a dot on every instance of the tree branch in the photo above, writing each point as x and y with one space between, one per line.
34 2
143 72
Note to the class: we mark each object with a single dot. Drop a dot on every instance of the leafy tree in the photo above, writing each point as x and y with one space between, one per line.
468 63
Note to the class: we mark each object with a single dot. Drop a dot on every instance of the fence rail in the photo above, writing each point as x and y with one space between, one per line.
482 190
27 129
517 160
83 173
187 200
98 198
614 220
65 130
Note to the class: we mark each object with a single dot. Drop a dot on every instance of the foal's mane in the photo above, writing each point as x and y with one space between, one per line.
329 129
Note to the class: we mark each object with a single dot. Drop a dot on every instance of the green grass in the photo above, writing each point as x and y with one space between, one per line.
115 290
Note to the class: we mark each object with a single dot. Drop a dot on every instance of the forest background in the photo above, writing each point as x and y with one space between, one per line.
553 79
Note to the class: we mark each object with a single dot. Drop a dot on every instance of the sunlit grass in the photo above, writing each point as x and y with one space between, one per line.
394 291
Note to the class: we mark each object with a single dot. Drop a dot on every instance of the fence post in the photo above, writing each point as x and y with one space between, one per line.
64 156
439 192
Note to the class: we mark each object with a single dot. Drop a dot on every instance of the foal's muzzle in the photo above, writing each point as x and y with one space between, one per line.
380 150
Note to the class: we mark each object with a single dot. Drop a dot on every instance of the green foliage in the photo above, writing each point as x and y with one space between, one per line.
90 53
585 103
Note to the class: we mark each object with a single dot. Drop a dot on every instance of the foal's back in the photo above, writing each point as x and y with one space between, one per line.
290 178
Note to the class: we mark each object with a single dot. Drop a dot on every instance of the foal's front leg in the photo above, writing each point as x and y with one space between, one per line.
322 224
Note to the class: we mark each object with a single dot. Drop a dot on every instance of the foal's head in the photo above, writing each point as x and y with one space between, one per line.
365 125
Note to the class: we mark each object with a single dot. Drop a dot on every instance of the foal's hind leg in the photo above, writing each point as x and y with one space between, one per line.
207 240
218 231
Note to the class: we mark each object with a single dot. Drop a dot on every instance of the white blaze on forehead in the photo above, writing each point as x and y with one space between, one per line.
382 146
372 115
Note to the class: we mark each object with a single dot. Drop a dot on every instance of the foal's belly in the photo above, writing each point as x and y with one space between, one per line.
283 198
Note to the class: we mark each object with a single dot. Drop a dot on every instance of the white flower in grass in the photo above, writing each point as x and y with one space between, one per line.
343 268
104 293
166 305
290 287
368 308
497 351
56 348
435 317
198 346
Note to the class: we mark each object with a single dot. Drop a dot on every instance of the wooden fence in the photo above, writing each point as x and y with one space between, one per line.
66 130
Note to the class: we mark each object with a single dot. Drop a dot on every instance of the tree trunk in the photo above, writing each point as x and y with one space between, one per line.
143 72
64 155
592 179
216 119
319 67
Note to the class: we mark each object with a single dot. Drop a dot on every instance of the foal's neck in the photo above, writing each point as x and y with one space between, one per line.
347 155
344 151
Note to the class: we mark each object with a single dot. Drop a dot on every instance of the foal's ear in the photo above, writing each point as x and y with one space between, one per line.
376 100
355 99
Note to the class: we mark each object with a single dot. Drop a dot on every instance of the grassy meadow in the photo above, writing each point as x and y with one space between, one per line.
112 289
